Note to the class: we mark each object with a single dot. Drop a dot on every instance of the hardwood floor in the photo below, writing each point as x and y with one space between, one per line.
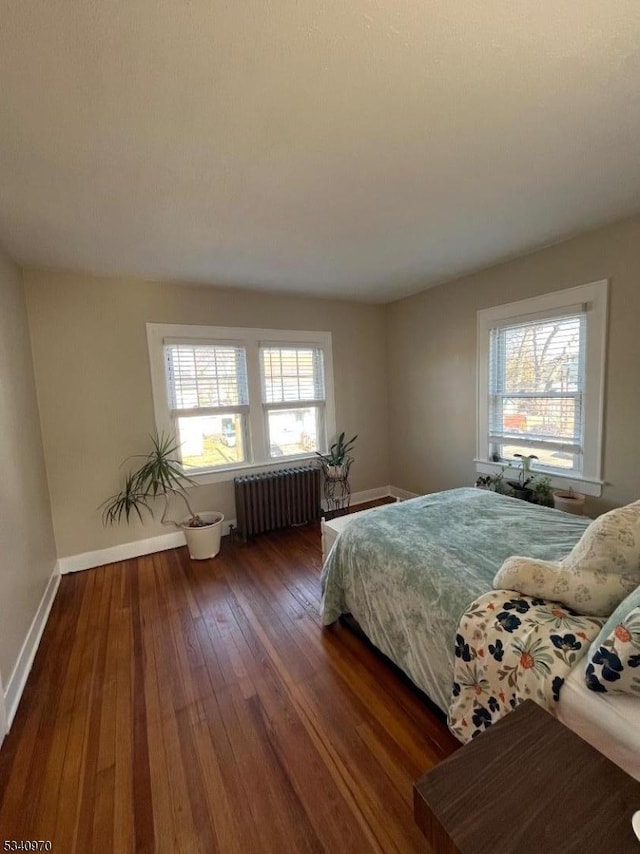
199 706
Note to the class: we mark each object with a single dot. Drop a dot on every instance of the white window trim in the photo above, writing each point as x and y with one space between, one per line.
252 339
595 297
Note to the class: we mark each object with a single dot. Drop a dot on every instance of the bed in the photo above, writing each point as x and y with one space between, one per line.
409 572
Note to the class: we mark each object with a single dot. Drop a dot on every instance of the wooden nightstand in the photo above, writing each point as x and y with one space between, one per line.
527 784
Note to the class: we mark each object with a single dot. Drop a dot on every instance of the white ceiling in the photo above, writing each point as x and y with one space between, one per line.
358 148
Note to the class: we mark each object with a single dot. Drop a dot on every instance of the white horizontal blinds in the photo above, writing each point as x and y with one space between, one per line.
537 377
292 374
293 396
206 376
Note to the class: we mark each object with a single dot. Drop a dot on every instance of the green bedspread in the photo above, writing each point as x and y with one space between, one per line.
408 571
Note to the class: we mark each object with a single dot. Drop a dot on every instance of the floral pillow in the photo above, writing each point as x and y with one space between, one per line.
614 664
619 616
601 570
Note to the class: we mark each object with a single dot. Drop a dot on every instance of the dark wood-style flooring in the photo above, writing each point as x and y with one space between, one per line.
200 707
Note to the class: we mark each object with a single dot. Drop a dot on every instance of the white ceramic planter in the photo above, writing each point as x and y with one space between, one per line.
570 502
204 542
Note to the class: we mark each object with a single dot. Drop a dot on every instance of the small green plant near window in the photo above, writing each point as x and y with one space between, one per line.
530 486
542 491
338 452
521 487
525 475
159 476
493 482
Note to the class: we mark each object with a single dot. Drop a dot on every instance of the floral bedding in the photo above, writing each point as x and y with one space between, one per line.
509 648
407 572
614 665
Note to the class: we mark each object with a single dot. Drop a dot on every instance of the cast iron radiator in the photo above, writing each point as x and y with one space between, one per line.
277 499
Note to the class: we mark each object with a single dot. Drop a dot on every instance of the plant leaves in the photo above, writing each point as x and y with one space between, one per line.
159 475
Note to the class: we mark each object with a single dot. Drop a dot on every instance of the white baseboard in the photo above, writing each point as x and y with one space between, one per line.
380 492
366 495
402 494
21 671
369 495
126 551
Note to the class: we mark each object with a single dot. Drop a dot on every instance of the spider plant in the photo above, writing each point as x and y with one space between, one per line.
339 451
160 475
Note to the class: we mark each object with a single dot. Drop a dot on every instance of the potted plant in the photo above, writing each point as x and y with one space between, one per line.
492 482
336 463
569 501
160 476
542 492
520 487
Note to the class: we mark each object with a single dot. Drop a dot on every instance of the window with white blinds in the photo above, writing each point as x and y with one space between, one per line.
541 384
292 374
235 398
537 380
208 394
206 376
293 393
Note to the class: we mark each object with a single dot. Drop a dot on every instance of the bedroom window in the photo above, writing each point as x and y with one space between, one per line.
540 389
208 398
293 398
536 389
241 398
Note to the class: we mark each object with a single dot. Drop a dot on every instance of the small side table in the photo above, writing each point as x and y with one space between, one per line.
527 785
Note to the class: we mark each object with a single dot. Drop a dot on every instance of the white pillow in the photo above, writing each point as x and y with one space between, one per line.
602 569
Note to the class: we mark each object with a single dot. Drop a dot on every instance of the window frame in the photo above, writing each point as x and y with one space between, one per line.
257 450
176 413
594 298
300 403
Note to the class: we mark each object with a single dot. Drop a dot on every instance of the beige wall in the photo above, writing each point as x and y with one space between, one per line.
27 548
432 361
92 374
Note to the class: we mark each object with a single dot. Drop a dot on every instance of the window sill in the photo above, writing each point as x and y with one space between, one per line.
228 474
579 483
